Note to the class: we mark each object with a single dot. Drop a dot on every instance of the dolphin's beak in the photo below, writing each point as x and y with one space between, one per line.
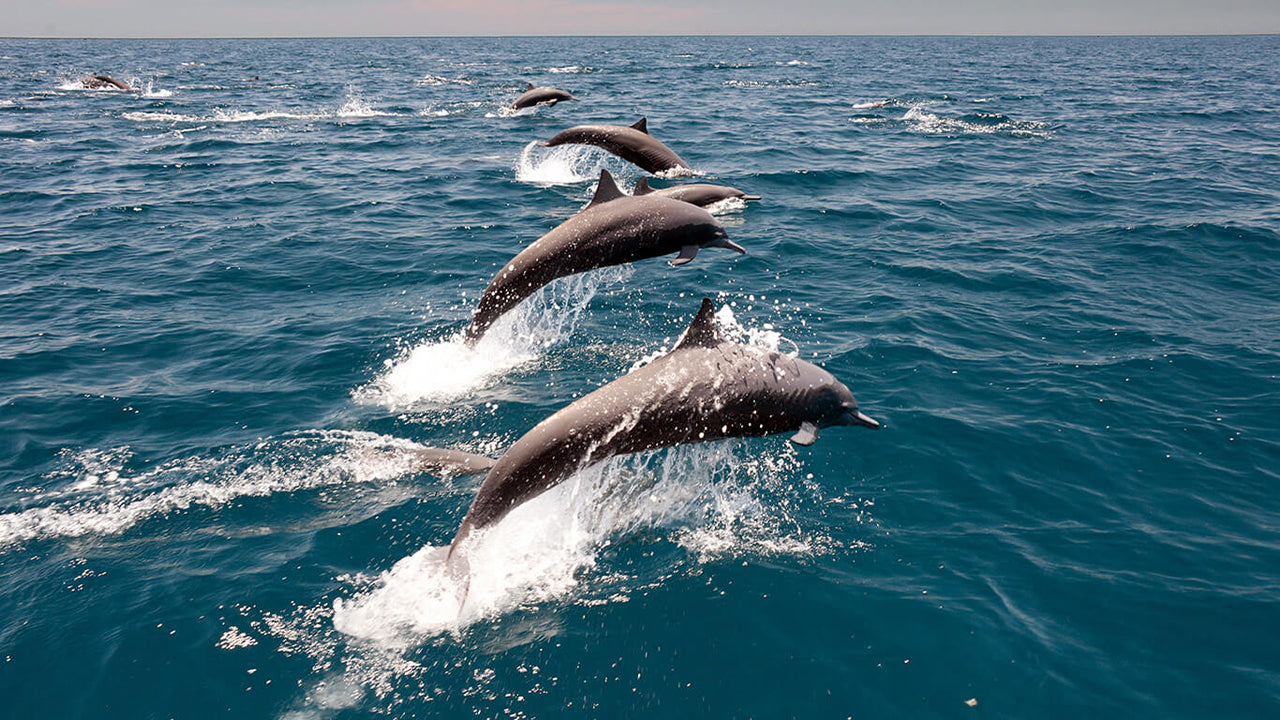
725 242
856 417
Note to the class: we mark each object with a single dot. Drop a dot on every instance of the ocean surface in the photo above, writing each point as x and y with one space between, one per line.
230 311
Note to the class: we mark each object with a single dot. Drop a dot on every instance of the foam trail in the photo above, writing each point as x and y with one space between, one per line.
449 369
99 498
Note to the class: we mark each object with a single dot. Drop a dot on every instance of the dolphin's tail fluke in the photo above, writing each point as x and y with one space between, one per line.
443 460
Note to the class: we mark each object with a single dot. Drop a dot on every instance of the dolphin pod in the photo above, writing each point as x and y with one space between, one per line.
700 194
707 388
613 229
633 144
540 96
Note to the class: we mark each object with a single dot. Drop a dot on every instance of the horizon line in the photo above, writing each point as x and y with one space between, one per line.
610 35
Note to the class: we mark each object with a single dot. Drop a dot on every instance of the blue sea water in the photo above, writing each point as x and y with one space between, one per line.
230 303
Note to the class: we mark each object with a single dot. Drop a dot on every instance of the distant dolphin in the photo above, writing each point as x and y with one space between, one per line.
540 96
633 144
707 388
700 194
614 229
100 82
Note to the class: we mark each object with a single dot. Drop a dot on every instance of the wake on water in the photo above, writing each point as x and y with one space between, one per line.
94 495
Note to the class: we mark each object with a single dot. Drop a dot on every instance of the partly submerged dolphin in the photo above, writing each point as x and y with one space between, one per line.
101 82
614 229
539 96
707 388
700 194
633 144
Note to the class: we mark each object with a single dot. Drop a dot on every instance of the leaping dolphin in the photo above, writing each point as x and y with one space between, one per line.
613 229
100 82
633 144
700 194
540 95
707 388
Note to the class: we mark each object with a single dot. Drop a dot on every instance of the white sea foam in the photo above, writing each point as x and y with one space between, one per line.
726 206
921 120
94 495
569 69
437 80
449 369
506 111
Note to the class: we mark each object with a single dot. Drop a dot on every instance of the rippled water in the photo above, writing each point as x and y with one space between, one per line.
230 310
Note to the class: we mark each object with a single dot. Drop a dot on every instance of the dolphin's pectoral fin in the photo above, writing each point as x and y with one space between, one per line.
642 125
606 190
807 435
687 254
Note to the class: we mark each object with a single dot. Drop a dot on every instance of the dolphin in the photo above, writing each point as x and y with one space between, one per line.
539 96
700 194
613 229
707 388
102 82
633 144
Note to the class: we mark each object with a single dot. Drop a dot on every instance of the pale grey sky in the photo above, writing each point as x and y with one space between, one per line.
259 18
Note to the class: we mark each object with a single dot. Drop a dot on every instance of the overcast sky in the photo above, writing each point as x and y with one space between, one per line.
306 18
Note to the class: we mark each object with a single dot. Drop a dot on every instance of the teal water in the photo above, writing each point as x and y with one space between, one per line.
229 311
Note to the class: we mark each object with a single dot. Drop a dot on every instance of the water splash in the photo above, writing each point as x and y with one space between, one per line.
712 500
358 107
560 165
445 370
151 92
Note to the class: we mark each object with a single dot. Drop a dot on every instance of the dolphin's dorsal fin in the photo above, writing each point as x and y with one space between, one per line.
529 88
642 187
642 125
703 331
606 190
